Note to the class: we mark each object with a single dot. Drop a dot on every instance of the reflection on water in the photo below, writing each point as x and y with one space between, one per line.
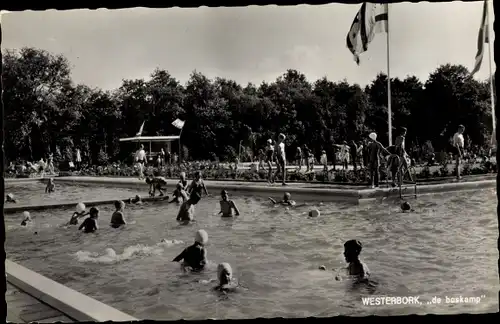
447 247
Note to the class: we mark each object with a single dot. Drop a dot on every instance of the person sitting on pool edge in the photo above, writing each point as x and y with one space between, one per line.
179 195
195 256
186 211
227 206
51 187
89 225
118 219
10 199
286 200
225 278
355 268
197 186
183 181
156 183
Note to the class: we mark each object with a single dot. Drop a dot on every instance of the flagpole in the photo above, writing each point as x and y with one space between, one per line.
180 146
389 106
492 96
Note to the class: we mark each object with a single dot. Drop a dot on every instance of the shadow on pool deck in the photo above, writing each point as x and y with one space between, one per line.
23 308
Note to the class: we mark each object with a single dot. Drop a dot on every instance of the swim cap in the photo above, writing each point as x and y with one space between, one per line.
314 213
282 136
80 207
269 141
224 272
324 152
373 136
353 245
26 214
287 195
201 237
10 196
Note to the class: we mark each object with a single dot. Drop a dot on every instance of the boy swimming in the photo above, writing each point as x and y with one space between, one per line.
118 219
27 219
51 187
186 211
286 200
197 186
10 199
225 278
156 183
89 225
356 268
195 256
179 195
227 206
136 200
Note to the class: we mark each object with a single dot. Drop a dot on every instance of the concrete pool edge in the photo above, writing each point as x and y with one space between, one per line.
66 300
332 194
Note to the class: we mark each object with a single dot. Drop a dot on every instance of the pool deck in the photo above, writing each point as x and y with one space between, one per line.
23 308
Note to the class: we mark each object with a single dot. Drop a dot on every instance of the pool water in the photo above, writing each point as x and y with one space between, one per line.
33 193
446 247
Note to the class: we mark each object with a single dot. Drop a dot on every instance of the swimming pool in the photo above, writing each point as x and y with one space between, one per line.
33 193
447 247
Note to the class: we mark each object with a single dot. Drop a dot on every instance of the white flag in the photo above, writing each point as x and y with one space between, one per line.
178 123
371 19
482 38
139 133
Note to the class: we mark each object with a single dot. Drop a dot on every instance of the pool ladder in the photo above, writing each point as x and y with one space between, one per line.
414 183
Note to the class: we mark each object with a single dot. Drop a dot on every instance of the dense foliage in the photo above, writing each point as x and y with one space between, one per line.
46 112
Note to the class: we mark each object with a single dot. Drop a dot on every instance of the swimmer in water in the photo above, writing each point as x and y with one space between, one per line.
27 219
136 200
10 199
355 267
186 211
89 225
51 187
118 219
77 215
286 200
195 256
179 195
156 183
197 186
225 278
227 206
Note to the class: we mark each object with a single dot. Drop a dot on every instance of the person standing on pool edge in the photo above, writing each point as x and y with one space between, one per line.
195 256
458 146
281 157
374 150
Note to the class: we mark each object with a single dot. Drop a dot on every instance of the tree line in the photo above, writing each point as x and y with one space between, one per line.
46 112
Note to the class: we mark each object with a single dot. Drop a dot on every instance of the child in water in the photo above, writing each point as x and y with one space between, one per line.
225 278
89 225
118 219
227 206
186 211
286 200
156 183
51 187
77 215
27 219
356 268
197 186
195 256
179 195
10 199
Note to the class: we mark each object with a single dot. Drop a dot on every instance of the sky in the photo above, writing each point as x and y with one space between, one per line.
249 44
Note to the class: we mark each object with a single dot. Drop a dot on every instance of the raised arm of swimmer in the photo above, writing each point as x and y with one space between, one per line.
236 210
180 256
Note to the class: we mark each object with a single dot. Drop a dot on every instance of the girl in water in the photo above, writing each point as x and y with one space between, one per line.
227 206
197 186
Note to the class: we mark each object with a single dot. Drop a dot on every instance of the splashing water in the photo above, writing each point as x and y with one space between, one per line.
110 256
